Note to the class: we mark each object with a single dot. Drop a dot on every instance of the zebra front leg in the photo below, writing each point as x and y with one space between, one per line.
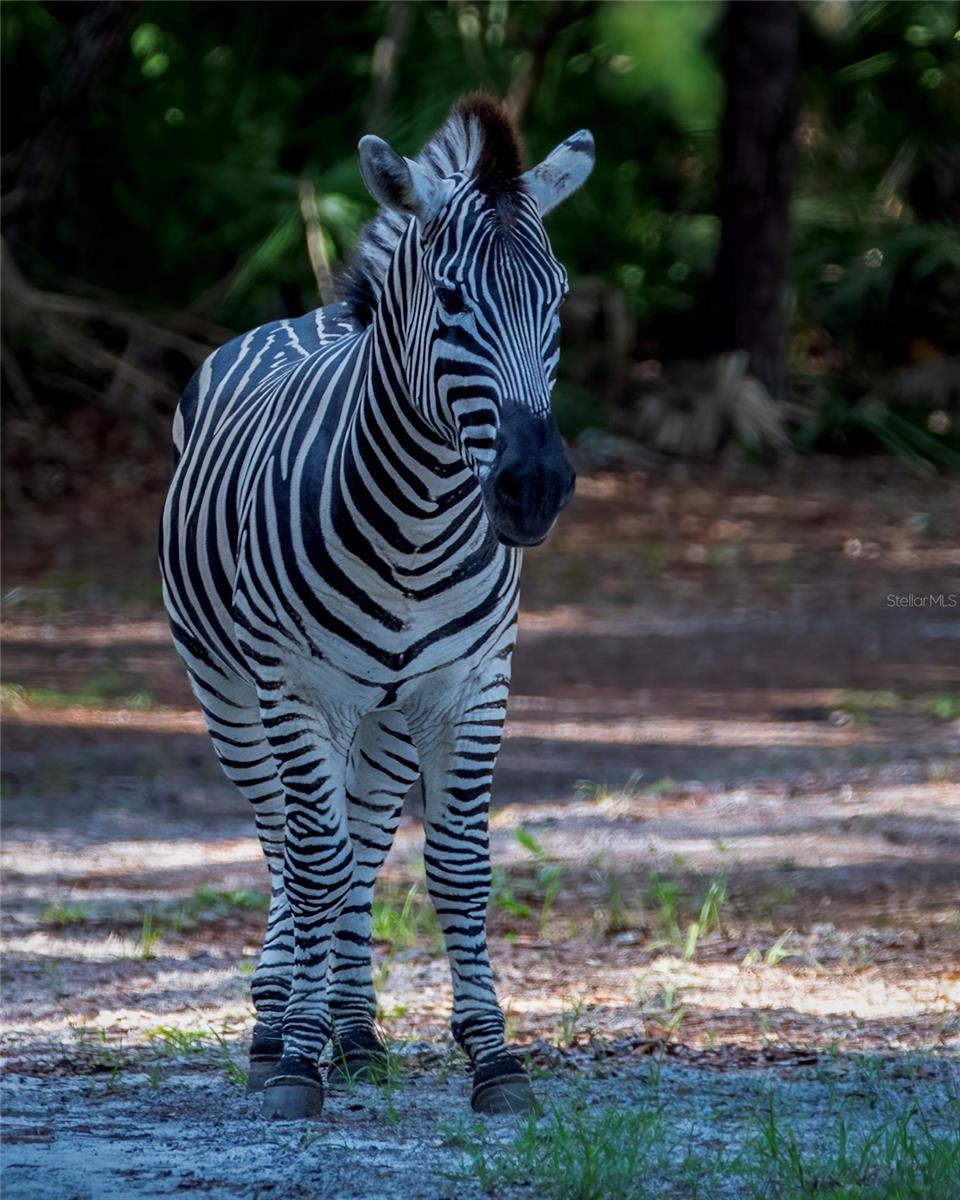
382 768
457 772
317 875
272 978
232 715
250 764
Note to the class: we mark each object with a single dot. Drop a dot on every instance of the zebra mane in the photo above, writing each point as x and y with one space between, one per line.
477 138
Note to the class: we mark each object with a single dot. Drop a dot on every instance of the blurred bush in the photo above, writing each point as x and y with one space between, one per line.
162 161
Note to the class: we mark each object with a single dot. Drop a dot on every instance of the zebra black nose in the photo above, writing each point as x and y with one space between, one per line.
509 487
531 480
524 498
539 488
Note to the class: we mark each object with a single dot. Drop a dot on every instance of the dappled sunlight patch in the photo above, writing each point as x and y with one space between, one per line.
109 948
663 824
82 631
154 720
126 857
201 1021
725 867
703 731
808 990
84 1024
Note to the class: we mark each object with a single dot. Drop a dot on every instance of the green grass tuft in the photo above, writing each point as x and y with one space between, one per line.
579 1152
59 916
945 707
573 1154
900 1158
402 923
106 690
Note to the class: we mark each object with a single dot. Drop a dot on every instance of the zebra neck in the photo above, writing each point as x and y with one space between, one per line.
412 500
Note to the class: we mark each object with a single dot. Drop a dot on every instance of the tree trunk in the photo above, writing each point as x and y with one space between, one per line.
760 69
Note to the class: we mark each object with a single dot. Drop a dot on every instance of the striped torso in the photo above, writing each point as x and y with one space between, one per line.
301 525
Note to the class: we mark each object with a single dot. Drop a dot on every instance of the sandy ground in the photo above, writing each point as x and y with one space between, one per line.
193 1134
713 687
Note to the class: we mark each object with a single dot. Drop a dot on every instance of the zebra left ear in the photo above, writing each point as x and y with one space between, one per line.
564 169
398 183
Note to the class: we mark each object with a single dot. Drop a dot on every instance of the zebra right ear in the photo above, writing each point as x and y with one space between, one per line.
564 169
398 183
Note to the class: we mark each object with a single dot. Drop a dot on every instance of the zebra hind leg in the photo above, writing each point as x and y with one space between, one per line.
382 768
233 719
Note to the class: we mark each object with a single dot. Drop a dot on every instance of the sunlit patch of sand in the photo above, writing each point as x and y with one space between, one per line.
113 947
758 827
134 1025
709 990
155 720
126 857
200 1017
809 990
701 732
88 634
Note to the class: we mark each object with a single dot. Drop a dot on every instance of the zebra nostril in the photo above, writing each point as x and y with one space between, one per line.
509 487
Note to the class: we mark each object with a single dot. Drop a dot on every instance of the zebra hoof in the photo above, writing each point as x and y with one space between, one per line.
259 1071
502 1086
294 1091
510 1094
359 1057
288 1098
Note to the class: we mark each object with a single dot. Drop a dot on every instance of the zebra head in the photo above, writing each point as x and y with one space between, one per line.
481 314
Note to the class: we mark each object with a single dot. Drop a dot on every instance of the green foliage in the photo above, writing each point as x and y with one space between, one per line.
899 1159
215 114
838 423
105 690
778 951
208 903
573 1011
218 901
945 707
549 879
60 916
667 905
618 916
179 187
502 896
172 1041
708 918
401 923
860 706
149 937
578 1151
574 1154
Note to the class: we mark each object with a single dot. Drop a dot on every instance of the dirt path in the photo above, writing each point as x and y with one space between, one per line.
727 841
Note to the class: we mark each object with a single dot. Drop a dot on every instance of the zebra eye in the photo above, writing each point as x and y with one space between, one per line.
452 300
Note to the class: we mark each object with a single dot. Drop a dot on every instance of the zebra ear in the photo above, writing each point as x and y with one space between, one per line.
398 183
564 169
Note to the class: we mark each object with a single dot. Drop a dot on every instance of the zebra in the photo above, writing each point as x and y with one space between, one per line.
340 551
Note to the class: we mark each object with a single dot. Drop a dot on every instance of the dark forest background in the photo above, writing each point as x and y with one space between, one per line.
766 259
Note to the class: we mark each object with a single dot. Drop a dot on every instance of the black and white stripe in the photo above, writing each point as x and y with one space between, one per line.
340 555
